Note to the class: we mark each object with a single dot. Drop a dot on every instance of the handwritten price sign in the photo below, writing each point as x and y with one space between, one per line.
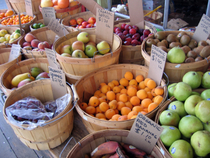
56 27
51 57
15 52
48 13
29 9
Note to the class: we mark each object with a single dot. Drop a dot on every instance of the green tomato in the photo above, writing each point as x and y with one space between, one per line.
35 26
42 25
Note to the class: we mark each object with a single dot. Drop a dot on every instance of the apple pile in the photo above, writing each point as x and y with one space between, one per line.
80 23
131 34
84 48
32 43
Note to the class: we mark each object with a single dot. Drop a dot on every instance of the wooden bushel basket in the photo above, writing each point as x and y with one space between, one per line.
91 141
55 131
175 72
42 34
89 83
78 67
18 68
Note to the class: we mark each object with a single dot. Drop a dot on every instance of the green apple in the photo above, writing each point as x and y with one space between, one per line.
202 110
16 35
83 37
35 71
200 142
2 39
103 47
169 118
205 94
176 55
195 93
78 45
78 54
182 91
189 124
181 149
178 107
200 73
90 50
65 55
190 103
7 37
206 126
171 89
3 32
169 135
205 83
192 78
66 49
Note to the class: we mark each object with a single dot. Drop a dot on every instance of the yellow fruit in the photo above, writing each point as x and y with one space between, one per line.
20 77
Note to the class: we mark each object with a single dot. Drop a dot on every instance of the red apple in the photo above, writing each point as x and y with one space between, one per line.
91 43
84 24
142 38
128 27
134 42
29 37
79 21
46 44
125 32
126 43
90 25
41 45
81 27
135 27
92 20
117 29
146 32
132 31
121 35
128 39
78 45
35 42
136 36
73 22
26 44
123 26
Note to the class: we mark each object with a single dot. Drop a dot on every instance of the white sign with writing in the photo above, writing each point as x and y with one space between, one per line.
15 52
29 9
203 30
151 27
144 133
48 13
157 64
58 82
51 57
56 27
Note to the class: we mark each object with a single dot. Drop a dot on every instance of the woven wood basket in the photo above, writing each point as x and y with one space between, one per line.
78 67
89 83
55 131
42 34
156 17
130 54
85 15
4 11
175 72
91 141
18 68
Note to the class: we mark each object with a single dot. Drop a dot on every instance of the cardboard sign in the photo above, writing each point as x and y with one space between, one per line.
136 13
151 27
51 57
91 5
176 24
15 52
29 9
144 133
203 30
48 13
104 21
56 27
8 5
58 82
157 64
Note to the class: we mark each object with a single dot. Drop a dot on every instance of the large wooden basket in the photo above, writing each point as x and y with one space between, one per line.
77 67
55 131
175 72
91 141
89 83
18 68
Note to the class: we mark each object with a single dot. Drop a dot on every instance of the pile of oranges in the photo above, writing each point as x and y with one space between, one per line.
14 20
124 99
6 14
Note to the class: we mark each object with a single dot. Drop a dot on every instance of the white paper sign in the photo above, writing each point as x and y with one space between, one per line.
29 9
157 64
58 82
56 27
48 13
144 133
203 30
15 52
51 57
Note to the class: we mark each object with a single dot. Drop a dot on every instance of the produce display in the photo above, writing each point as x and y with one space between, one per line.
80 23
180 48
37 25
124 99
6 37
14 20
6 14
84 48
58 4
114 149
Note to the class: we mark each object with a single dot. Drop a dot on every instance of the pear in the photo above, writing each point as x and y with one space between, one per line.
35 71
182 91
202 110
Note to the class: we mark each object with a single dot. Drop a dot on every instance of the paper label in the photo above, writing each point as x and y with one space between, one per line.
151 27
58 82
8 4
48 13
144 133
51 57
29 9
203 30
56 27
157 64
15 52
104 21
136 13
91 5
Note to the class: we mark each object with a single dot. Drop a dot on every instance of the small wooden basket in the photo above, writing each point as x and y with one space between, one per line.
42 34
21 67
156 17
175 72
78 67
89 83
55 131
91 141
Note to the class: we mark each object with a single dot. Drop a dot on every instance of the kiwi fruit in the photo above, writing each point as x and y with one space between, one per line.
198 49
175 44
193 43
160 35
205 52
166 42
186 49
150 42
171 38
202 43
163 48
198 58
192 54
189 60
185 40
156 40
179 35
161 44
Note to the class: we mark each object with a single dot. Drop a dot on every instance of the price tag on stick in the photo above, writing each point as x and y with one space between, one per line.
29 9
15 52
51 57
157 64
56 27
144 133
48 13
203 30
58 82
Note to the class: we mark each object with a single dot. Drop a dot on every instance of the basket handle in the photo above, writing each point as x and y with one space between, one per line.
66 145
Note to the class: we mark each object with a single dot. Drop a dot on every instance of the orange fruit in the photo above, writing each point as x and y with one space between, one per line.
124 82
116 83
116 89
116 111
128 75
93 101
131 114
137 109
109 113
158 99
121 86
117 96
141 94
159 90
96 93
123 98
110 95
131 91
105 89
139 78
147 89
134 100
128 104
90 110
120 104
123 91
104 106
113 104
100 115
9 13
110 84
133 82
152 106
98 110
142 85
83 106
143 112
151 84
146 80
115 117
123 118
145 102
134 116
102 99
102 84
153 92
